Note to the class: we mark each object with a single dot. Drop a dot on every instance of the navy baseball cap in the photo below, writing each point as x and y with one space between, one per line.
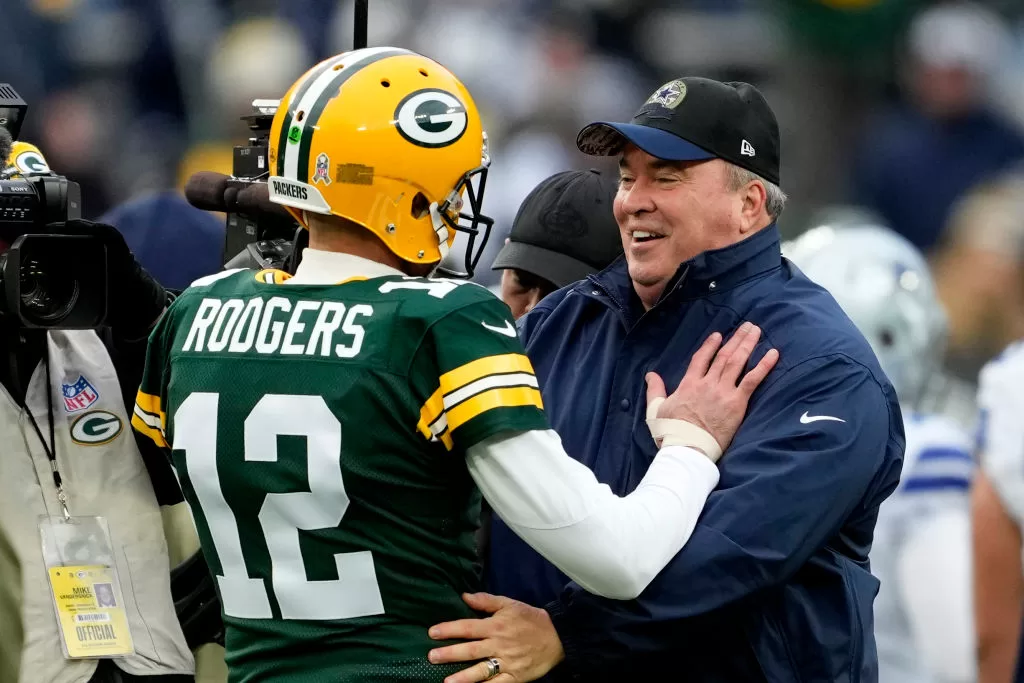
693 119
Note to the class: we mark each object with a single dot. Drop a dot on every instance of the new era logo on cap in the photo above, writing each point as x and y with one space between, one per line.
747 149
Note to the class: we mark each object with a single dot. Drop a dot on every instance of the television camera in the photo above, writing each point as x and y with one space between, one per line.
48 278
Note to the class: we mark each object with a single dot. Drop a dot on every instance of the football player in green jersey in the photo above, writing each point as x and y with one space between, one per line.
332 430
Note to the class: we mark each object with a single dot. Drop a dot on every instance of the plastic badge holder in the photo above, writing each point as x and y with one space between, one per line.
87 597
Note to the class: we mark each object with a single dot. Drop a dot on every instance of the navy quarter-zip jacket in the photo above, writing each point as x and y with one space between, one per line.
774 584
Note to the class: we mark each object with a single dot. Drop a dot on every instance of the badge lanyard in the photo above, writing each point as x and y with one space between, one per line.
79 557
49 448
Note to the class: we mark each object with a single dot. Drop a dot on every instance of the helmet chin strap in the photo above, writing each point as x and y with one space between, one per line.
441 230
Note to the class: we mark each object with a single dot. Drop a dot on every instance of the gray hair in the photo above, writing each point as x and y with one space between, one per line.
775 199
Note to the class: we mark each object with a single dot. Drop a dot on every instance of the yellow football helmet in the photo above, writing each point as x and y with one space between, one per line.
390 140
25 159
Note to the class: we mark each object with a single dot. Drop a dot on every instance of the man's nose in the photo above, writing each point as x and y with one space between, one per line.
637 198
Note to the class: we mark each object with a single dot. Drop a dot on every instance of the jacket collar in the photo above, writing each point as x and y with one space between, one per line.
709 272
729 266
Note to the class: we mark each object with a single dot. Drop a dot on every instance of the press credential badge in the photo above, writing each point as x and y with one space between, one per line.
87 596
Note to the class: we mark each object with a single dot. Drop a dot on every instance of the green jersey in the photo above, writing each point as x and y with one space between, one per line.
319 435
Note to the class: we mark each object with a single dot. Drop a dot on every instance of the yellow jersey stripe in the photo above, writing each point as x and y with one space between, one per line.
272 276
146 430
453 380
482 367
464 375
148 403
429 413
501 397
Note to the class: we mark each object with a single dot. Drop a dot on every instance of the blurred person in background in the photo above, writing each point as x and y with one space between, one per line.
998 517
916 161
921 551
176 242
564 231
979 271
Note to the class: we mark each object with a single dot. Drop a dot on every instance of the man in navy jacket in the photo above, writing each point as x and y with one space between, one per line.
774 584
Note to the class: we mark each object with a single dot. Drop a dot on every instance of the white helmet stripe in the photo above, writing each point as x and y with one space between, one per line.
313 93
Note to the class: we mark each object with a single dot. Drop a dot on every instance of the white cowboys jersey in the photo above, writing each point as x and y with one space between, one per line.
921 613
1001 427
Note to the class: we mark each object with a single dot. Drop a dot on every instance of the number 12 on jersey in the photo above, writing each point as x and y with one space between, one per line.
356 592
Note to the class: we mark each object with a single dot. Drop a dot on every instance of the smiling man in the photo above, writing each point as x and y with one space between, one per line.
774 584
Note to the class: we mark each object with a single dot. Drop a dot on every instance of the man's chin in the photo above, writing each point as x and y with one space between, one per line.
648 286
643 277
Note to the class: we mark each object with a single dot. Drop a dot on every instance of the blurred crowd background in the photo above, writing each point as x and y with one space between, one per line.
908 110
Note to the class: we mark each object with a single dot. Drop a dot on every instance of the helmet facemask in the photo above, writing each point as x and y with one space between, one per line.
474 224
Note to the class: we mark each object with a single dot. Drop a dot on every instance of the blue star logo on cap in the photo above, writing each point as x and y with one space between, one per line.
668 95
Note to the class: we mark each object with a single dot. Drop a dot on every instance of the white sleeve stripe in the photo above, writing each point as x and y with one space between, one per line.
150 420
516 379
439 426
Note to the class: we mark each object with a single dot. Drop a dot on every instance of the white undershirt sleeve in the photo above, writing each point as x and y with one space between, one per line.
610 545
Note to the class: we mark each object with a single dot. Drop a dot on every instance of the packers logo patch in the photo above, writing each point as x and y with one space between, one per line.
668 95
431 118
96 428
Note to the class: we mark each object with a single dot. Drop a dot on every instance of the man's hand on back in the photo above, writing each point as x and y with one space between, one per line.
711 395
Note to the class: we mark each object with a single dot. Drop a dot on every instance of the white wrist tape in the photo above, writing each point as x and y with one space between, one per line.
668 432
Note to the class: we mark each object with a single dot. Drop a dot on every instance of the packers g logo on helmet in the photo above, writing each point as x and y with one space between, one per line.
26 159
389 140
431 118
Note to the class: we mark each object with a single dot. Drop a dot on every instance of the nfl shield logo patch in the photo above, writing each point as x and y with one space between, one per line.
80 395
323 170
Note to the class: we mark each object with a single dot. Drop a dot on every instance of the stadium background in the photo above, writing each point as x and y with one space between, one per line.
129 97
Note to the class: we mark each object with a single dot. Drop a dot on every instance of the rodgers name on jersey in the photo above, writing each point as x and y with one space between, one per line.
318 433
278 326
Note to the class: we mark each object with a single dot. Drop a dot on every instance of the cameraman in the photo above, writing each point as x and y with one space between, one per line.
68 449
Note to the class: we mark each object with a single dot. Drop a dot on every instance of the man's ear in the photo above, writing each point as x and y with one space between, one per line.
534 297
754 209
